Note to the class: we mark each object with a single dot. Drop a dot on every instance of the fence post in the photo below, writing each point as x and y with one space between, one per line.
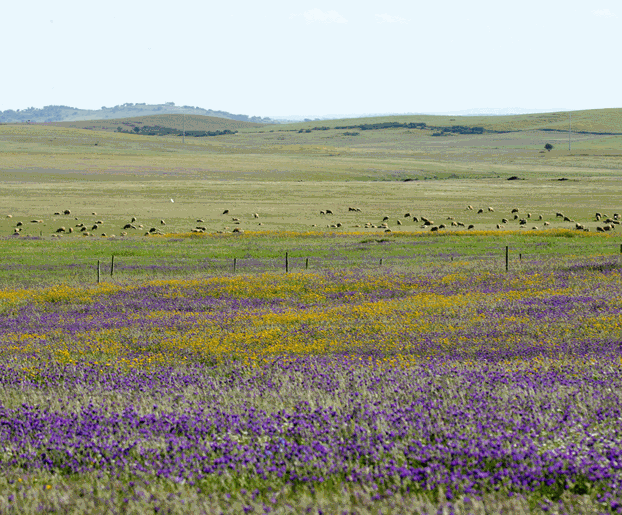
112 266
286 262
235 262
507 258
520 256
380 261
98 271
307 260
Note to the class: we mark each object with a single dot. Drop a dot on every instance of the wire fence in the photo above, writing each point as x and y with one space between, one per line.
134 268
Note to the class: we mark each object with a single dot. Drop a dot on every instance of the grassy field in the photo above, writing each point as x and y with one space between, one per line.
393 369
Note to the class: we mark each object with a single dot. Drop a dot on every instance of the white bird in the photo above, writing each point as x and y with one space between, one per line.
172 200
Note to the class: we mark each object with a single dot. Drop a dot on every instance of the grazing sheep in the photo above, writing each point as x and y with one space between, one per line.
442 226
539 217
428 222
95 226
9 216
322 212
86 233
225 212
83 229
566 219
528 215
239 231
460 224
433 229
522 221
70 230
260 223
600 229
16 230
100 222
60 229
516 217
469 208
424 219
559 215
499 226
491 209
57 213
129 226
515 210
399 222
133 219
162 222
534 228
255 215
329 212
598 216
504 220
387 230
454 224
123 233
80 225
66 212
407 215
471 227
103 235
547 223
338 224
480 211
201 228
616 216
579 226
19 224
385 219
451 218
200 221
94 213
153 229
415 219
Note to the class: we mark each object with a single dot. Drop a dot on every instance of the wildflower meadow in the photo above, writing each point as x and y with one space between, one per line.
436 389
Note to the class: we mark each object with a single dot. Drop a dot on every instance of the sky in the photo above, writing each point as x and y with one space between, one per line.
313 58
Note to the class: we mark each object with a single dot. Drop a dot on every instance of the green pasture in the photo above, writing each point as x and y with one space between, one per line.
288 174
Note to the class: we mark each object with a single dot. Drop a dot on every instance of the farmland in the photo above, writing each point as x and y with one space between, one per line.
388 369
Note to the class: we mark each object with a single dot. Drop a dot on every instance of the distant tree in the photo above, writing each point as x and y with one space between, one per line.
136 130
119 129
548 147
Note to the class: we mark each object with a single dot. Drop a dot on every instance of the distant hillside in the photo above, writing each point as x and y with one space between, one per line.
73 114
165 124
595 121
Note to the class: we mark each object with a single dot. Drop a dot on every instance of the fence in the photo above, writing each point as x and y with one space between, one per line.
127 268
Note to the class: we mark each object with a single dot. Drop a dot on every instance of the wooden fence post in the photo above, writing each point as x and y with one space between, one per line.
98 271
286 262
112 266
235 262
507 258
307 260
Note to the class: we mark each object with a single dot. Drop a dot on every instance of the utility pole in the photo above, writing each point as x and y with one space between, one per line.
569 128
183 138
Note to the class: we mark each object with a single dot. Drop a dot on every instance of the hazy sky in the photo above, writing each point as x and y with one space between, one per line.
298 57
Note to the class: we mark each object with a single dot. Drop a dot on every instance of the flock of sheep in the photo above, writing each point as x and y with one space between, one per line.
607 223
